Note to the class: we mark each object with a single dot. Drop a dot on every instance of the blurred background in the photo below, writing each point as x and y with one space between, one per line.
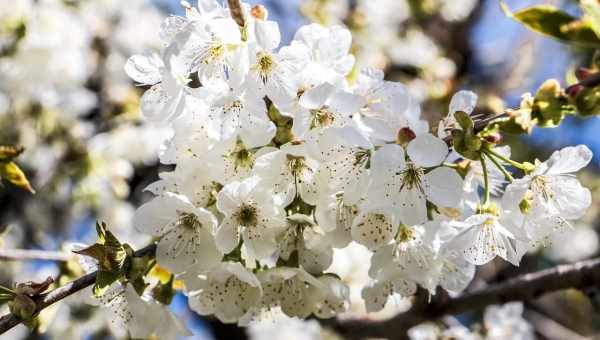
65 97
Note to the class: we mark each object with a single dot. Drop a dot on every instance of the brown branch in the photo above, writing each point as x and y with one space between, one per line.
27 255
522 288
526 287
42 301
235 8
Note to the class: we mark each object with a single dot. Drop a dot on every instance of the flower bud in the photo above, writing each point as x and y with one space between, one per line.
574 90
494 138
582 73
259 12
405 135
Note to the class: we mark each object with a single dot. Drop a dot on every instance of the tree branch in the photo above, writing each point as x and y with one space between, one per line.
42 301
236 12
522 288
27 255
526 287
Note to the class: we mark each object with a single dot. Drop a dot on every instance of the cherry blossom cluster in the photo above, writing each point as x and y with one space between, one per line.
278 159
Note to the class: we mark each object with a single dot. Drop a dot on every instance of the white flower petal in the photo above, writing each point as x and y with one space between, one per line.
227 236
427 150
316 97
569 160
443 187
464 101
267 34
373 230
144 69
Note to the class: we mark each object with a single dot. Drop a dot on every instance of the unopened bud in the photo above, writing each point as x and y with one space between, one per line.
405 135
574 90
494 138
583 73
259 12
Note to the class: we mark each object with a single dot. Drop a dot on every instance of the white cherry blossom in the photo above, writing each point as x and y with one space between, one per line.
251 214
547 198
407 186
186 233
229 292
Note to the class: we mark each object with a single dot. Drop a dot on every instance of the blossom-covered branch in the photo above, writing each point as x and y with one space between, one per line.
42 301
530 286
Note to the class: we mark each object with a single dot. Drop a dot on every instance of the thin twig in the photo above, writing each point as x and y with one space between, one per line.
28 255
522 288
235 8
9 321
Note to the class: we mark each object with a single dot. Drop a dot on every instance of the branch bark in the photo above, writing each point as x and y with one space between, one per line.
27 255
42 301
522 288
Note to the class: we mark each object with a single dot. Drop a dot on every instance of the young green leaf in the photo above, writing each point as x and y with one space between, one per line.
551 21
591 9
11 172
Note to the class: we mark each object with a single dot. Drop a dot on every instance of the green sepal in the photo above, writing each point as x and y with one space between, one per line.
164 292
103 280
587 102
466 144
283 123
464 120
550 104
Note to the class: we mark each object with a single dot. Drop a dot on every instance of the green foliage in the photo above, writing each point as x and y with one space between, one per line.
552 22
111 256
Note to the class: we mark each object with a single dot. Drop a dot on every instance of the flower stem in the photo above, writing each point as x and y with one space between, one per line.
486 181
506 174
451 165
517 165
